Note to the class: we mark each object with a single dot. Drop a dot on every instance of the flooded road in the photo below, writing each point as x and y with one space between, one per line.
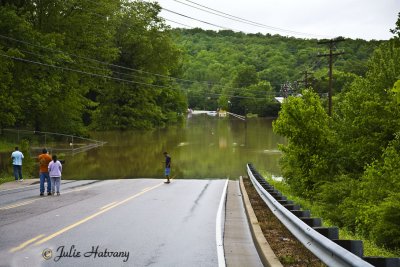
202 147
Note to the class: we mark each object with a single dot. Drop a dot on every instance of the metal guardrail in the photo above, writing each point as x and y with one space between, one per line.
70 144
325 249
237 116
18 132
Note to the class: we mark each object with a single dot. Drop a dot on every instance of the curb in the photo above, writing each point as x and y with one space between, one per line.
264 250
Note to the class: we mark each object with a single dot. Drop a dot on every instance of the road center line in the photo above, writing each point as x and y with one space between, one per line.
93 216
26 243
23 203
106 206
18 204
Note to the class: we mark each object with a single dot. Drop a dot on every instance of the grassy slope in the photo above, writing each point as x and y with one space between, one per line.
370 248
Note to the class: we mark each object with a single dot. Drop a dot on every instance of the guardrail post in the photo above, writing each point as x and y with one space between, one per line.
285 202
354 246
302 213
383 262
292 207
328 232
313 222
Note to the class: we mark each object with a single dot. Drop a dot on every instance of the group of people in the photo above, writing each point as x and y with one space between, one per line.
50 170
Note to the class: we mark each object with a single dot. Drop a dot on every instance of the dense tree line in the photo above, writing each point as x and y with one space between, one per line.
349 163
244 72
69 64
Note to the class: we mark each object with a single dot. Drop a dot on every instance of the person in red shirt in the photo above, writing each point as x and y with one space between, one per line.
44 160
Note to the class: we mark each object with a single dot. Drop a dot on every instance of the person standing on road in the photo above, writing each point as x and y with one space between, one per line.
17 157
44 160
167 166
55 170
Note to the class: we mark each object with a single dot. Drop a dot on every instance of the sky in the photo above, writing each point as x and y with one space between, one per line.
363 19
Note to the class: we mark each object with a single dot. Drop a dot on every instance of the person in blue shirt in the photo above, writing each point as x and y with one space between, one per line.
17 157
167 166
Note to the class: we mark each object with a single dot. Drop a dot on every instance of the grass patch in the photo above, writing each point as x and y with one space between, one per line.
6 178
6 146
370 248
287 259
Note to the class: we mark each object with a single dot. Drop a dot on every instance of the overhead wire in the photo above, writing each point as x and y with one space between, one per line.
80 71
126 68
245 21
205 10
182 24
106 76
80 65
205 22
118 66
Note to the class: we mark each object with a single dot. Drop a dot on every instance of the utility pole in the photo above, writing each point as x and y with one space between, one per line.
306 78
286 89
331 44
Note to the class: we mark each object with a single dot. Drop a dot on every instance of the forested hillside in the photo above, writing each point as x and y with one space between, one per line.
248 70
69 66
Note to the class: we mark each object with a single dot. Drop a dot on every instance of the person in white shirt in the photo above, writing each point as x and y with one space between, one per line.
17 157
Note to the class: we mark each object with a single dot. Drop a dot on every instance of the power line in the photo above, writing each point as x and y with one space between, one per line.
246 21
126 68
80 71
80 65
110 77
179 23
223 16
202 21
114 65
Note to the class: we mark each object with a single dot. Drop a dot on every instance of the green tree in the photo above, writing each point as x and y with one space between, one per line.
305 124
145 47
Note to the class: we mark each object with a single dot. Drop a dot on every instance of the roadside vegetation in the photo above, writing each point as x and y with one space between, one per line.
6 146
29 166
347 164
370 247
6 174
286 247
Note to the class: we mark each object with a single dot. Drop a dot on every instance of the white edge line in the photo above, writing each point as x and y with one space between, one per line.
218 232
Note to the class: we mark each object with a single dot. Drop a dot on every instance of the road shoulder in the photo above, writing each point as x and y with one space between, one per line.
238 243
266 254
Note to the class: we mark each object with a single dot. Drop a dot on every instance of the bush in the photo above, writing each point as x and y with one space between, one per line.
386 230
331 196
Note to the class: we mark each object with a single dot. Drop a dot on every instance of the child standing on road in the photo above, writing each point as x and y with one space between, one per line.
55 169
167 166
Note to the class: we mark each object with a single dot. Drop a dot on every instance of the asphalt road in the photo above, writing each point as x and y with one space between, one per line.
138 222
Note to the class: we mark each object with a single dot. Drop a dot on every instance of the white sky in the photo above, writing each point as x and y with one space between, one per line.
365 19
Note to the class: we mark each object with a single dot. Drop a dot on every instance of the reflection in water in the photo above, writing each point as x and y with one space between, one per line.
204 147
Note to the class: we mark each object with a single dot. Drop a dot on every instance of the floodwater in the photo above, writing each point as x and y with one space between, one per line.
202 147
